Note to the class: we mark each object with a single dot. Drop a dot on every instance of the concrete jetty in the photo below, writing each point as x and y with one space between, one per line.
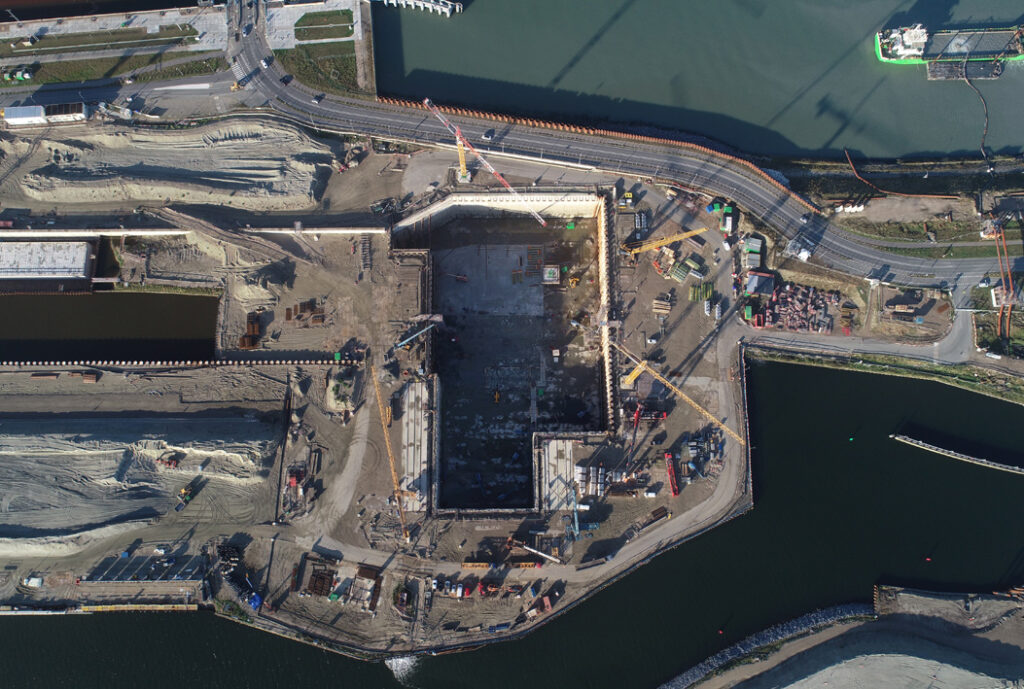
957 455
445 7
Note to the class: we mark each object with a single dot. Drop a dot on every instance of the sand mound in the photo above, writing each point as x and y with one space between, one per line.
244 165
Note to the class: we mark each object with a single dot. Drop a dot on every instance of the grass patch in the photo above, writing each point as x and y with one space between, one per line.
168 289
986 323
325 18
210 65
987 330
100 40
232 609
319 33
847 186
948 251
329 67
944 231
105 68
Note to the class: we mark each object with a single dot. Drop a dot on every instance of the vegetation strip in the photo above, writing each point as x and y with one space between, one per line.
969 377
106 68
317 33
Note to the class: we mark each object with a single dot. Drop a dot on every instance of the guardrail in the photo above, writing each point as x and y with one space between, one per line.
212 363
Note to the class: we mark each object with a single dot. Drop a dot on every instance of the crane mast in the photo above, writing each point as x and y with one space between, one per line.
460 139
391 455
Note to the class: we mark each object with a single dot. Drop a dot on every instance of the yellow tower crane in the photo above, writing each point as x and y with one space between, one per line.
642 366
635 248
398 492
463 172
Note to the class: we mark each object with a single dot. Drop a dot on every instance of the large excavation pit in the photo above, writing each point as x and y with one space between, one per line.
520 351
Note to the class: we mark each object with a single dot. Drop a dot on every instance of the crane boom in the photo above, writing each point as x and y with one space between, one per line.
639 247
457 133
391 455
632 376
679 393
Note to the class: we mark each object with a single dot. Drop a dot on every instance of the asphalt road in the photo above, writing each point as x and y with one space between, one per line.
690 168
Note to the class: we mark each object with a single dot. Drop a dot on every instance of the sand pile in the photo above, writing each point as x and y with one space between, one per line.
63 476
242 164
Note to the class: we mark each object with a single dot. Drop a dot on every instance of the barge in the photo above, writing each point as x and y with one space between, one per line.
915 45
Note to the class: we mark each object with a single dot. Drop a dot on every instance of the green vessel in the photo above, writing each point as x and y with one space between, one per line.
914 45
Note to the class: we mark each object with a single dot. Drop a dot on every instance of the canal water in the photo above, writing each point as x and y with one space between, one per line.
839 506
107 325
783 77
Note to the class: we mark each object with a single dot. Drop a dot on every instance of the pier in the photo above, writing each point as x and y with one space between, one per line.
957 455
445 7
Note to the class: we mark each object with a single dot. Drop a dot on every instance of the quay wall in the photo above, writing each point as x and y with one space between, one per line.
564 205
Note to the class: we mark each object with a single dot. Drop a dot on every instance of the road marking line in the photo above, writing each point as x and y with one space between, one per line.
184 87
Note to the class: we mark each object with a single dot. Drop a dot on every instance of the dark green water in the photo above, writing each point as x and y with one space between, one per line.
789 77
832 518
107 326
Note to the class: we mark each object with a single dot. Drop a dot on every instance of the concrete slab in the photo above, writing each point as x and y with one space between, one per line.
281 22
490 288
416 424
22 260
556 473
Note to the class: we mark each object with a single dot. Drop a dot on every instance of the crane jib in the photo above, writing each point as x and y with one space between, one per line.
457 133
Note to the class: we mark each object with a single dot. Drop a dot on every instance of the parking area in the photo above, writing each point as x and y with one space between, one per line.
149 567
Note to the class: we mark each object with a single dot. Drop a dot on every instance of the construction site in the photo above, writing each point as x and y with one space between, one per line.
437 418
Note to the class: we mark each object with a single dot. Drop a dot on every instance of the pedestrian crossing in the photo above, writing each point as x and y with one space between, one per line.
238 71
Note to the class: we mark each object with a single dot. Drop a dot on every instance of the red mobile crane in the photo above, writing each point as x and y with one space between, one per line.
1006 276
457 133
